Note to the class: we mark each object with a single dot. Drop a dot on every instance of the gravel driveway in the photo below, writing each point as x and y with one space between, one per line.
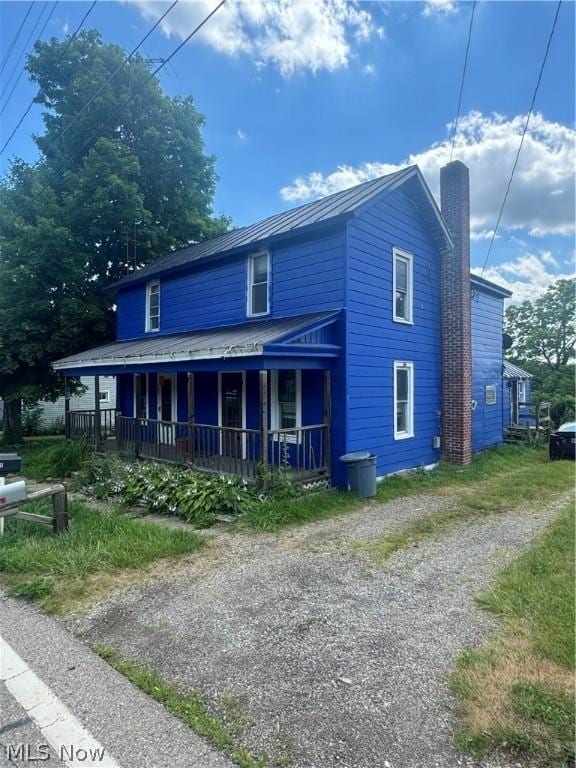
332 660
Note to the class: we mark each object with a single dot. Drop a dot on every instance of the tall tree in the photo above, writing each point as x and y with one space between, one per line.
122 179
544 330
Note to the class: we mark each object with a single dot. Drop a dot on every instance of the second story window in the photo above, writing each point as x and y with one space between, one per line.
402 288
258 284
153 306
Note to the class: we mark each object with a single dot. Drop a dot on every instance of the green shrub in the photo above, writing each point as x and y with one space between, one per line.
169 490
32 421
59 460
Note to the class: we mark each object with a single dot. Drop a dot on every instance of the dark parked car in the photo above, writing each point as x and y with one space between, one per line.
563 441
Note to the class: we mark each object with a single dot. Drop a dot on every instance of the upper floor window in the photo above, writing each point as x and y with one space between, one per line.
258 284
286 409
402 286
104 396
153 306
403 400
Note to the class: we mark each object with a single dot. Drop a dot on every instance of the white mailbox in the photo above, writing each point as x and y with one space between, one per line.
12 492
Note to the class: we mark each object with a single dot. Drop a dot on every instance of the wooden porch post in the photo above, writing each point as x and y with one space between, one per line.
328 418
67 431
264 423
137 394
191 417
97 425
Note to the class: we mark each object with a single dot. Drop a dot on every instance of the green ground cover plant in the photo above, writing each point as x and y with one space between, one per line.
168 490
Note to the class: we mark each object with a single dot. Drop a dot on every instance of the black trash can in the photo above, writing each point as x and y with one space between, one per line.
361 466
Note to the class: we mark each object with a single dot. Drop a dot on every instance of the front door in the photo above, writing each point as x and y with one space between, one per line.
232 414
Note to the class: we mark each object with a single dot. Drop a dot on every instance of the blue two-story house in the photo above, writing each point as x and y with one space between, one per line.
350 323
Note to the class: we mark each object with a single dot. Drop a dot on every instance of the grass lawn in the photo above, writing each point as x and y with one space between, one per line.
517 692
103 549
497 479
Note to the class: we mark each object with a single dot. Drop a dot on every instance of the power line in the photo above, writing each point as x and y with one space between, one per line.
64 52
130 98
15 38
551 35
152 75
23 68
463 78
23 51
121 66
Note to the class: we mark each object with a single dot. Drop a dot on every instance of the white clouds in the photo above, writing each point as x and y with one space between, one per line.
439 7
541 199
369 69
526 276
292 35
241 135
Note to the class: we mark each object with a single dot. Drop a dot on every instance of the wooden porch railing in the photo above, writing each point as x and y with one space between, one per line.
303 452
85 425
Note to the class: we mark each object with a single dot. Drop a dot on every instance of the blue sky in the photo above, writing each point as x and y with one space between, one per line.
305 97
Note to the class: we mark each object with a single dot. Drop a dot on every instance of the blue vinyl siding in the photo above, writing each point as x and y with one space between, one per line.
307 276
487 320
375 341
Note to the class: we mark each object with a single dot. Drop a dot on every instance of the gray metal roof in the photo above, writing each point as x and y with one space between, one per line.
323 210
481 282
246 339
512 371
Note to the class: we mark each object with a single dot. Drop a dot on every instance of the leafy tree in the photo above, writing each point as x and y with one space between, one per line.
543 333
545 329
118 183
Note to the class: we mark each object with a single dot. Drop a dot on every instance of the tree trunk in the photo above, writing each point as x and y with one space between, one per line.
12 422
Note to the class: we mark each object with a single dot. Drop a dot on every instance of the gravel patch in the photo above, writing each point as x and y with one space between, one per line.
332 661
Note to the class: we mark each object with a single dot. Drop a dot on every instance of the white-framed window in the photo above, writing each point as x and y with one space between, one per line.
403 400
153 306
141 395
521 392
258 284
286 401
104 396
402 286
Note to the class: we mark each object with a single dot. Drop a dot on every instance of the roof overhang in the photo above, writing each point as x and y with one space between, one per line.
487 286
250 339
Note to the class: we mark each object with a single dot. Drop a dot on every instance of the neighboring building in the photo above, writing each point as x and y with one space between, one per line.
52 413
350 323
517 395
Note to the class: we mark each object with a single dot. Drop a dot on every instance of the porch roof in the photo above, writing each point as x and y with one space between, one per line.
248 339
512 371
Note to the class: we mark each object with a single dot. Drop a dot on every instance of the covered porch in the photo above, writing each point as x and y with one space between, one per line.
248 414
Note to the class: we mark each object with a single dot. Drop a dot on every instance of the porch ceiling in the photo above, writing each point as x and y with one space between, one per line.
243 340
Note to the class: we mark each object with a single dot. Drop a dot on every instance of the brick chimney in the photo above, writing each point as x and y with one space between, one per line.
456 322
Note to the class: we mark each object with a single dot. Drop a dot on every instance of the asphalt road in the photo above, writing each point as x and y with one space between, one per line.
72 697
